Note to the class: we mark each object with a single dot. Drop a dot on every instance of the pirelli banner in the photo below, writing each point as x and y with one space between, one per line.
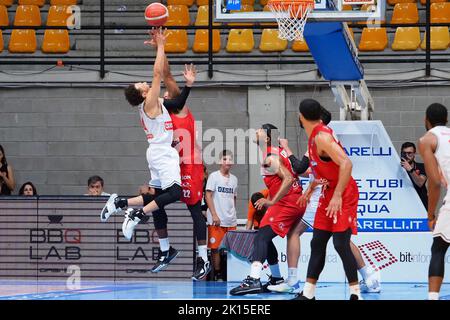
50 237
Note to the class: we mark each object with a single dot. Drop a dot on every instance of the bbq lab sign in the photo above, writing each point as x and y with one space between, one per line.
393 235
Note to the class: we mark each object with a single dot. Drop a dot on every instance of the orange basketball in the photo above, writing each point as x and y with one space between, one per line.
156 14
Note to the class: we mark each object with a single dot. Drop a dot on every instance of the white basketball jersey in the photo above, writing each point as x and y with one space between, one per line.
442 152
158 130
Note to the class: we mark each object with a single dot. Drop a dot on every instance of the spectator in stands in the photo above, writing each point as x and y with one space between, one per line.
221 192
28 189
254 216
415 170
7 182
95 186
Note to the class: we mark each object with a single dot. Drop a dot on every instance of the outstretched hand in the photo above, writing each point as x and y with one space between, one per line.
189 74
157 37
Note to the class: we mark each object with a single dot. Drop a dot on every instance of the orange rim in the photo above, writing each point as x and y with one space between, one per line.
291 6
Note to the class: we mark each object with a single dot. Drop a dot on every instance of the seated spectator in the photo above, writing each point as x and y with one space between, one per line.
7 182
28 189
254 216
95 187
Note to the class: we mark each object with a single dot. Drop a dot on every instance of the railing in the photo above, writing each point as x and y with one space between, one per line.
211 60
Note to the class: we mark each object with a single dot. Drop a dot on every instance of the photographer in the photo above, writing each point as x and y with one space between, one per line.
416 171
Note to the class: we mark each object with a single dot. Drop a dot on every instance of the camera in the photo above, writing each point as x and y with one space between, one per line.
403 156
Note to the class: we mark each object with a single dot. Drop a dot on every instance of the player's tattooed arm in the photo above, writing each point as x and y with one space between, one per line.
427 147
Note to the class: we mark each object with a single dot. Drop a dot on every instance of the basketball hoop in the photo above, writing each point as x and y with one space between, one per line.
291 16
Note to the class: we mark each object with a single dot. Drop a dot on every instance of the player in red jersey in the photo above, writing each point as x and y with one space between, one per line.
282 213
337 209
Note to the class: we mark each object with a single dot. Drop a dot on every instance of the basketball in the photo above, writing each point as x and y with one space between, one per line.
156 14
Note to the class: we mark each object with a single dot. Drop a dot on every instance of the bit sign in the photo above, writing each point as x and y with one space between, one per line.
234 5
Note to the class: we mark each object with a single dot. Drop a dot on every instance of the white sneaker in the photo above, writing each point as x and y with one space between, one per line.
372 284
109 208
285 287
130 223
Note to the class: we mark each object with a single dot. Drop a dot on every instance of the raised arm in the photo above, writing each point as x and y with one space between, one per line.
177 103
169 81
299 166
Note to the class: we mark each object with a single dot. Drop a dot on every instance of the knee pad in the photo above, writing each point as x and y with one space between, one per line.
148 198
169 196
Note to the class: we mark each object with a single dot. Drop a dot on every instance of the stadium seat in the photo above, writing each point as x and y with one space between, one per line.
440 12
27 16
406 38
263 2
244 8
300 46
270 41
63 2
56 41
201 3
1 41
240 40
178 15
202 17
248 2
39 3
373 39
57 16
422 2
394 2
347 7
201 41
440 39
370 7
182 2
6 3
405 13
22 41
4 19
176 41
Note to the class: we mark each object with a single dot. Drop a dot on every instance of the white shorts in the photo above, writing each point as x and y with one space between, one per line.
442 228
164 164
311 208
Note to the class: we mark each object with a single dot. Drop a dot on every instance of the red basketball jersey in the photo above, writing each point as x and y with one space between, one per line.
184 136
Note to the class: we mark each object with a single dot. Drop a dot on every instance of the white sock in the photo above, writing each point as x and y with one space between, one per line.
354 289
365 272
164 244
292 276
433 295
255 271
203 252
275 270
309 290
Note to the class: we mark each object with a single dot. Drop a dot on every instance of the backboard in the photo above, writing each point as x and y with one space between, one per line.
325 10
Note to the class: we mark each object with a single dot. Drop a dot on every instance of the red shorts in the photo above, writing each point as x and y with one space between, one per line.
283 215
192 183
348 218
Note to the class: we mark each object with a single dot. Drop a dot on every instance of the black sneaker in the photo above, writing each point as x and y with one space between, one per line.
354 297
273 281
248 286
164 258
202 269
300 296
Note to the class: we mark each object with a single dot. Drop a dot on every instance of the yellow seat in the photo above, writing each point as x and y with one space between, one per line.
201 41
270 41
56 41
300 46
178 15
240 40
58 16
4 19
244 8
63 2
176 41
440 12
202 17
22 41
1 41
405 13
373 39
406 39
347 7
6 3
268 24
263 2
39 3
27 16
440 39
201 2
422 2
182 2
394 2
370 8
248 2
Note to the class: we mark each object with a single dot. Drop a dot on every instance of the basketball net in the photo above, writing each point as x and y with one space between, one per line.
291 16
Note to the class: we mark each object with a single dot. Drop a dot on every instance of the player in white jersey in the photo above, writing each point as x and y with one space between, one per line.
434 147
163 160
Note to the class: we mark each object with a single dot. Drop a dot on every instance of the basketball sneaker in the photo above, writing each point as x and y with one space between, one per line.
273 281
372 284
285 288
132 218
248 286
202 269
300 296
111 207
164 259
355 297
